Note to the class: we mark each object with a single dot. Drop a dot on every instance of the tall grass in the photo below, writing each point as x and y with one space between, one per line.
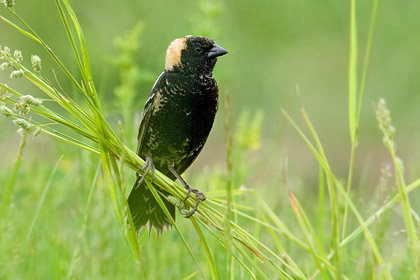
235 233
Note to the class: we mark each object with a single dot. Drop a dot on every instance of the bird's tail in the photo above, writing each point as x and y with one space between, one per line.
146 211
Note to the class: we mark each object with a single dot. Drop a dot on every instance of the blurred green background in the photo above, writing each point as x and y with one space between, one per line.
274 47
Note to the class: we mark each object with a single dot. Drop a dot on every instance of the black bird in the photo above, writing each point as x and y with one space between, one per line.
176 122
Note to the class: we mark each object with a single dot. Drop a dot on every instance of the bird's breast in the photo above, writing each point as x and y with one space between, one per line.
182 117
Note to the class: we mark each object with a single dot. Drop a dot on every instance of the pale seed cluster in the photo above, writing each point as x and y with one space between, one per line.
24 104
9 3
384 118
16 60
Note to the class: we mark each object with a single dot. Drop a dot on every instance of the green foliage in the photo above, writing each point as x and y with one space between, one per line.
131 76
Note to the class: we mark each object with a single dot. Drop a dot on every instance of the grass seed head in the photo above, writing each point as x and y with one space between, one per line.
5 111
5 52
9 3
384 118
17 74
30 100
22 108
4 65
21 123
18 56
36 63
36 131
3 94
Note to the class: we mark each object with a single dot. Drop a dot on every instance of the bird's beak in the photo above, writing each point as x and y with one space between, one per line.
216 51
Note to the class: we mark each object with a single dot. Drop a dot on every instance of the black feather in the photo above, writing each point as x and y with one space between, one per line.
177 119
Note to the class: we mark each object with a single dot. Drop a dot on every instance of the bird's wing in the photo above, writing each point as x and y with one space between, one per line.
147 112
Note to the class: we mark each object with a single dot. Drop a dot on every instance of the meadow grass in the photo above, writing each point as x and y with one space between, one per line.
71 232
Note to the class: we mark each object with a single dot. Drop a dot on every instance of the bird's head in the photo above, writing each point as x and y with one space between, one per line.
193 55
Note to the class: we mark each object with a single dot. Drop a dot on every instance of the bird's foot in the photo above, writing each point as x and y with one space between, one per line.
199 195
148 166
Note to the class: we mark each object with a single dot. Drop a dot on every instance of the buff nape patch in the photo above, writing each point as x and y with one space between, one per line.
173 54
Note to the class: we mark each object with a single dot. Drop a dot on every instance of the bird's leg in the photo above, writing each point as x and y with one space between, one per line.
146 167
199 195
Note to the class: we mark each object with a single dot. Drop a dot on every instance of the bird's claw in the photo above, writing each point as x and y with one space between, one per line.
148 166
199 197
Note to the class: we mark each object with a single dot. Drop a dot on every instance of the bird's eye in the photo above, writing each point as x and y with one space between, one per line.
199 50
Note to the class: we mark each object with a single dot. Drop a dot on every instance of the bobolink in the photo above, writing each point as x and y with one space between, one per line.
176 121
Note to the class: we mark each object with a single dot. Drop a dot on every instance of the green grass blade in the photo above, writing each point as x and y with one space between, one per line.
41 202
82 233
33 35
184 241
353 72
70 36
307 230
384 119
343 192
359 105
251 273
212 265
332 195
321 211
7 195
394 200
229 186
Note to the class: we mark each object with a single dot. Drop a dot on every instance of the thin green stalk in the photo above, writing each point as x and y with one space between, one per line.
251 242
384 120
87 74
93 103
367 58
228 231
68 139
359 107
348 187
321 211
212 265
281 229
82 232
168 215
342 191
374 217
253 264
128 225
241 263
41 202
280 225
353 72
113 178
310 236
332 194
283 252
33 35
70 36
7 195
412 234
352 77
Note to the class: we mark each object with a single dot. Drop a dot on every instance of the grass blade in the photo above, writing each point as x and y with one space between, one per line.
7 195
41 202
